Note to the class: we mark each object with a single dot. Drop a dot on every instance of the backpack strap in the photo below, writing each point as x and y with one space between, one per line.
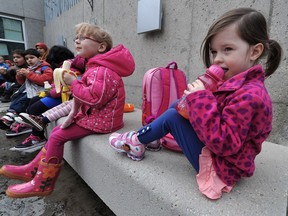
146 105
180 79
43 68
165 75
180 82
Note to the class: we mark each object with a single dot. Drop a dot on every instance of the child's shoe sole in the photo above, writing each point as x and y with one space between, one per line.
12 134
26 118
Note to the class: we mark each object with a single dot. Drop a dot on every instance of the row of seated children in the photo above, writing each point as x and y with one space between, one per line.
26 99
31 81
39 105
8 81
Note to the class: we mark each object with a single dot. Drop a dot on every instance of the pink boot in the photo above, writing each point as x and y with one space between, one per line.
41 185
25 172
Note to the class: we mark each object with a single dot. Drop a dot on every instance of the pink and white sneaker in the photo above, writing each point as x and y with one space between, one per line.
128 143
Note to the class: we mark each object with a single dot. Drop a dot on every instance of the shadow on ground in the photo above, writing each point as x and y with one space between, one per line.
72 196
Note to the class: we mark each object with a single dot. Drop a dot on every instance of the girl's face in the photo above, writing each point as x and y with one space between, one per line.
40 50
87 47
18 60
231 53
31 59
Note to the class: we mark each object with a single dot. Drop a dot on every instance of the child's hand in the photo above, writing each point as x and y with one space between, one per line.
23 72
197 85
68 78
68 121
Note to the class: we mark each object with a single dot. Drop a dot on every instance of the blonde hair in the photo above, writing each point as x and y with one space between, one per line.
95 32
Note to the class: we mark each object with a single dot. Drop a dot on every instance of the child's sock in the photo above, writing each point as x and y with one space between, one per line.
45 120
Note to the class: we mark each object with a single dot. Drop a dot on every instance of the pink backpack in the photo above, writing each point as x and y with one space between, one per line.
160 88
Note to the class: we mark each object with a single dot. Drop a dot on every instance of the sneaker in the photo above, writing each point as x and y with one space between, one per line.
18 129
11 115
5 124
31 142
8 118
18 119
35 121
128 143
154 146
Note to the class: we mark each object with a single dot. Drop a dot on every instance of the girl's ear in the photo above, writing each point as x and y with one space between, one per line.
257 51
102 48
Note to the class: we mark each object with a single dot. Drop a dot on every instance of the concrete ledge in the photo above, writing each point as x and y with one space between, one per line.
4 107
164 182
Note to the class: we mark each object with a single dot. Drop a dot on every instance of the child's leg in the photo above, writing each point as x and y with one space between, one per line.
40 122
59 111
20 103
49 167
171 122
36 107
38 133
58 137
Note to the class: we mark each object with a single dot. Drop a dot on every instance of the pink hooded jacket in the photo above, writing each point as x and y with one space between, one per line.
101 90
233 122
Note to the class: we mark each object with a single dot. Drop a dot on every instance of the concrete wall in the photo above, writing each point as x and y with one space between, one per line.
184 25
32 12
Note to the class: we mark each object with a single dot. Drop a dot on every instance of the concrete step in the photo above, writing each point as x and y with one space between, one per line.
4 107
164 182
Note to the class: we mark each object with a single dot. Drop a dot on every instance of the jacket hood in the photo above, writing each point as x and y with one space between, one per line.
44 63
118 59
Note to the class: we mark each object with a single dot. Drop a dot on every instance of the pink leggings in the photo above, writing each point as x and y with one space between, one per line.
57 139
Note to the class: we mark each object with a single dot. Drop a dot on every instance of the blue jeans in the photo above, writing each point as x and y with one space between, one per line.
19 103
181 129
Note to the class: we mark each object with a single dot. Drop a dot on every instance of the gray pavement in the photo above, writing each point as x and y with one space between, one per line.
72 196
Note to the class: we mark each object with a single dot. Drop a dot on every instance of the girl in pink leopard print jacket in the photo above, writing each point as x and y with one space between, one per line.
227 127
99 96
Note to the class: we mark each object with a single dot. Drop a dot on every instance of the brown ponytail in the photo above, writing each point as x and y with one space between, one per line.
274 53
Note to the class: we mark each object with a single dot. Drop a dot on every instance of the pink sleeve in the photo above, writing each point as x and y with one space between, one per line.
53 93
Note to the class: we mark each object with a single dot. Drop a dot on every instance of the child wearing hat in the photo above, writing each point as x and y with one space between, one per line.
42 49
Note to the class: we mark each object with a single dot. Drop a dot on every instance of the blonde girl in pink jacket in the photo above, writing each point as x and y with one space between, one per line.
99 100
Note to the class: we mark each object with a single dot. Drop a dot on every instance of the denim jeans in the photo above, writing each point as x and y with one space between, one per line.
181 129
20 103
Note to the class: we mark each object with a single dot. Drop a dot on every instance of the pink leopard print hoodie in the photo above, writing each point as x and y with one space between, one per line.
233 122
